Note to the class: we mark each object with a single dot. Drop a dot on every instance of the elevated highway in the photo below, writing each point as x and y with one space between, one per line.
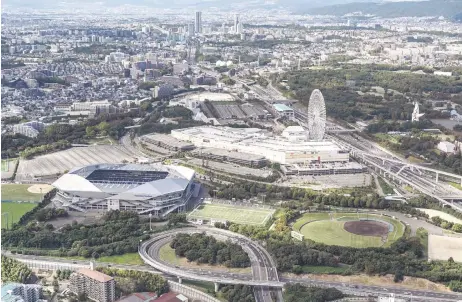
264 274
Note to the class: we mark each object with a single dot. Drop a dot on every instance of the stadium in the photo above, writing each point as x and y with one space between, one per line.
147 189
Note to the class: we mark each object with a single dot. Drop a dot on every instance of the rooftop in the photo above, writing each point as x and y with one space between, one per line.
282 107
100 277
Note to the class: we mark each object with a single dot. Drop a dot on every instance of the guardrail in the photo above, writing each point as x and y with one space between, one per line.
190 292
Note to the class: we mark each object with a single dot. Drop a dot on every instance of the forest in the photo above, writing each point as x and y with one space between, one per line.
61 136
116 234
343 102
201 248
300 293
129 281
237 293
14 271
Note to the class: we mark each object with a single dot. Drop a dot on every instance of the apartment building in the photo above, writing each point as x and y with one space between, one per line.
98 286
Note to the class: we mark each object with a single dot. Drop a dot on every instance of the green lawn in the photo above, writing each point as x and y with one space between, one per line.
241 215
311 269
385 187
331 232
128 259
15 211
8 164
17 192
309 217
456 185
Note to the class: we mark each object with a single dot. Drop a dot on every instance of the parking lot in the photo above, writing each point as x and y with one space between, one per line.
232 168
62 161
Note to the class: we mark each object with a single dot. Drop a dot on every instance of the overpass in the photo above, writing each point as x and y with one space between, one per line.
264 273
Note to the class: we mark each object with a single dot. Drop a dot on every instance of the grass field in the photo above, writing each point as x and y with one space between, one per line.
128 259
17 192
8 164
442 215
15 210
310 269
167 254
456 185
332 232
241 215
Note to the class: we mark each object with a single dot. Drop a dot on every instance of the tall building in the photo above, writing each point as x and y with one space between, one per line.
98 286
17 292
198 22
236 22
239 28
191 29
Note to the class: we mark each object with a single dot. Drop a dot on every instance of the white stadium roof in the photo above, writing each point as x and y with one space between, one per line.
128 182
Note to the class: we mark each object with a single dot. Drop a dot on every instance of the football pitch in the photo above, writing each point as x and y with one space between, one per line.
236 214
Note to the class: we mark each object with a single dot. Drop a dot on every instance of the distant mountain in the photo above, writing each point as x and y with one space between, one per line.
294 5
445 8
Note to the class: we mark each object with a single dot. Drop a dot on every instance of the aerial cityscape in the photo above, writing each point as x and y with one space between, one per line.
242 151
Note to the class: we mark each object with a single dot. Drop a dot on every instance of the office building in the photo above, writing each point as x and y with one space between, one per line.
97 286
236 22
198 22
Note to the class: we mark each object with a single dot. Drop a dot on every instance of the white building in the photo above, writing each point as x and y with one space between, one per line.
155 188
30 129
280 149
446 147
284 110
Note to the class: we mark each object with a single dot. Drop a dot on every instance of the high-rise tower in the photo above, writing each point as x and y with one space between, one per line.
198 22
236 22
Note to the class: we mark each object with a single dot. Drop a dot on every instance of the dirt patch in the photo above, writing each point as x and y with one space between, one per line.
40 189
366 228
387 280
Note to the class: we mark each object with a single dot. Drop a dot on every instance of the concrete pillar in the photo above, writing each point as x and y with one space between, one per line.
437 174
180 280
217 286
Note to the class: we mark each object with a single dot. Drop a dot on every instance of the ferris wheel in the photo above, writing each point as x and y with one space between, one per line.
316 116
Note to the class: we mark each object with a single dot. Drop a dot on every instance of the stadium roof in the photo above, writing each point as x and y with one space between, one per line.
128 182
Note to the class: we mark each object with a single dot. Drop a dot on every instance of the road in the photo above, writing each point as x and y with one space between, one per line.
418 177
348 288
264 273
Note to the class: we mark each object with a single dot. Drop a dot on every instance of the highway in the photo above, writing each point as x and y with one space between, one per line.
264 273
220 276
418 177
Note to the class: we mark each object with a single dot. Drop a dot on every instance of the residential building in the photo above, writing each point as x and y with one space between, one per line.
30 129
98 286
17 292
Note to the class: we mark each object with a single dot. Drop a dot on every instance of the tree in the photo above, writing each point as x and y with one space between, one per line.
82 297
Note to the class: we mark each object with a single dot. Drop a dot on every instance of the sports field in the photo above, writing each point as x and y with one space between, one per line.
236 214
14 211
20 192
330 229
